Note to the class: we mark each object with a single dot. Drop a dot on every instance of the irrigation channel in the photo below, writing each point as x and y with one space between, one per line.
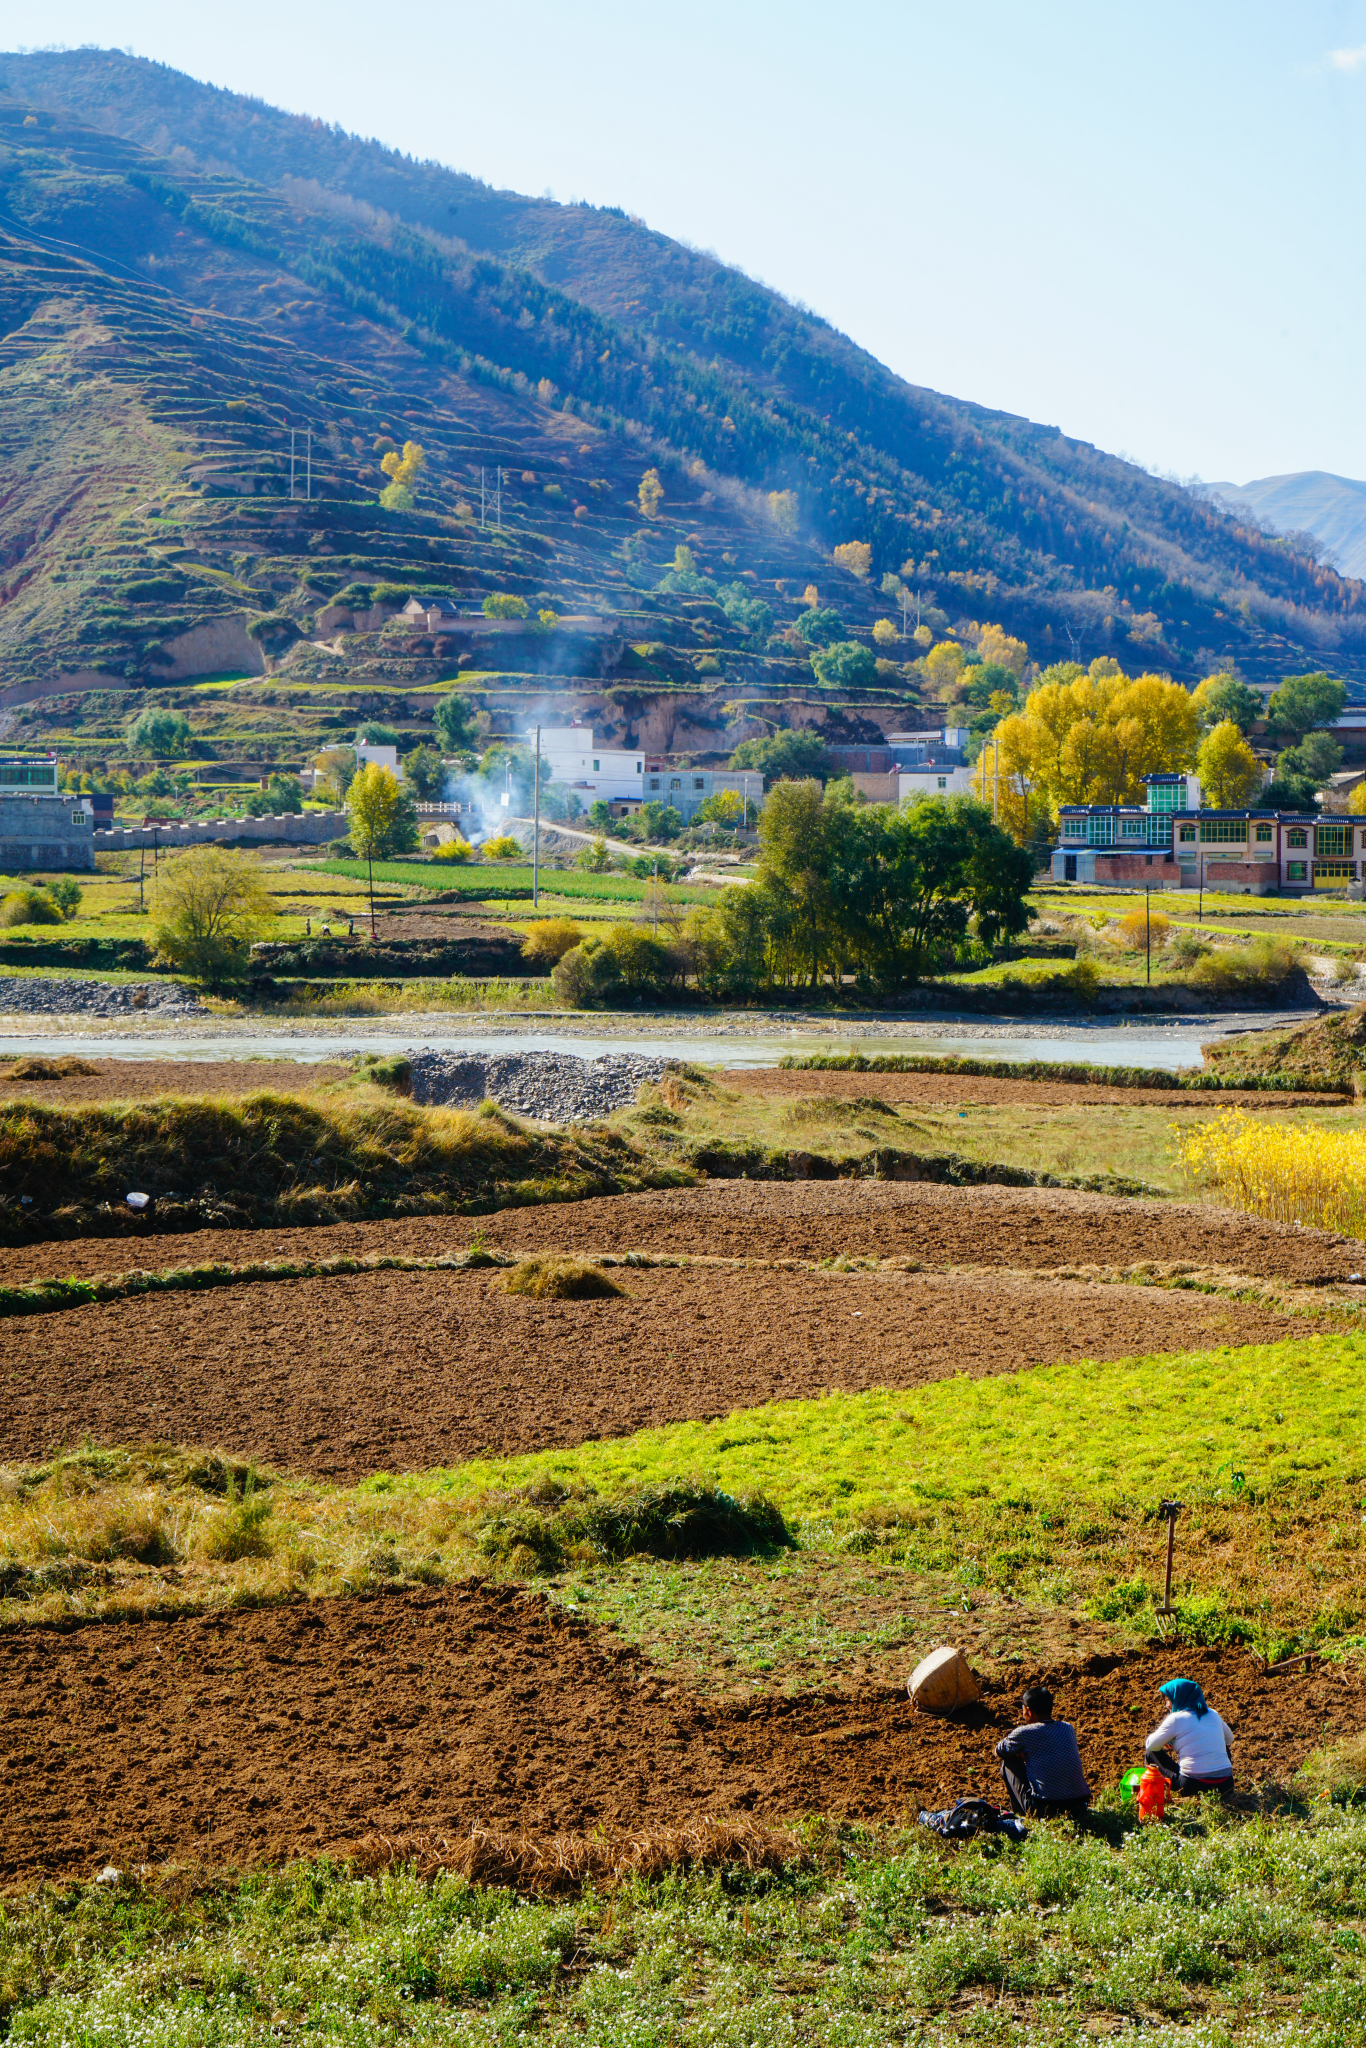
732 1039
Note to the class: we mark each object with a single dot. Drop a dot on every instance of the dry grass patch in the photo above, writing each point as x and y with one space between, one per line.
548 1278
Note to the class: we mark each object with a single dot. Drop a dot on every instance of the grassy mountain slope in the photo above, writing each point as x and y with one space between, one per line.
223 271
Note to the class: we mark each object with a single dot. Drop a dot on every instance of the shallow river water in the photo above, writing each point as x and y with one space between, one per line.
732 1041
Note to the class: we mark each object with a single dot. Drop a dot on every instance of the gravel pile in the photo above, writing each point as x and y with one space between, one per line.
554 1087
37 995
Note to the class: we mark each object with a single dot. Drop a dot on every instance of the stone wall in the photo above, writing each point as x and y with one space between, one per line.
309 828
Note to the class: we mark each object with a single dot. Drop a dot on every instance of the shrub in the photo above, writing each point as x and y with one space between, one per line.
615 966
502 847
547 942
66 893
1263 965
454 850
1135 927
29 906
548 1278
159 735
544 1526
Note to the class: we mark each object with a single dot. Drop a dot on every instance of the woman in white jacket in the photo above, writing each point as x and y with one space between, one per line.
1200 1741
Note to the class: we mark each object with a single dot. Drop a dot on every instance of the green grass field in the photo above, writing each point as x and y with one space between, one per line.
492 882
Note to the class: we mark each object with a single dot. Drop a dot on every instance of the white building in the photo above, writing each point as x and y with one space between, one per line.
379 757
932 781
569 754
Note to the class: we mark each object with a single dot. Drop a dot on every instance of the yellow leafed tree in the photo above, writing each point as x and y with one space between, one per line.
1089 737
402 472
943 666
885 633
997 646
856 556
650 496
1230 773
783 510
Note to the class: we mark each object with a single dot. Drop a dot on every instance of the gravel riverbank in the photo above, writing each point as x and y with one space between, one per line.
40 995
554 1087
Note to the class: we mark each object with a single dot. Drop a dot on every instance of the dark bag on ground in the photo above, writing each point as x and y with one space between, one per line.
974 1817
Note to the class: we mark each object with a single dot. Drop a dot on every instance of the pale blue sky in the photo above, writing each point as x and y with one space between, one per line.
1135 221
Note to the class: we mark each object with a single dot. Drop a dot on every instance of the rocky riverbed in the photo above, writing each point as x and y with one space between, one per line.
553 1087
40 995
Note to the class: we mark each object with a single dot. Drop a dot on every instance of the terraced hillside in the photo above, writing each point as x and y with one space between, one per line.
188 276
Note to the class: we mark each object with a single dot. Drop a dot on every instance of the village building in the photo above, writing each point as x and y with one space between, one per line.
624 779
39 826
1175 841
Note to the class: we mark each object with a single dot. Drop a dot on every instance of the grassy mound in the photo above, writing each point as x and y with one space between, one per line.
546 1526
37 1068
1327 1053
558 1279
272 1158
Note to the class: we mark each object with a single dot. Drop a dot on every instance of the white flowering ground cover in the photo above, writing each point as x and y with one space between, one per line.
1216 1932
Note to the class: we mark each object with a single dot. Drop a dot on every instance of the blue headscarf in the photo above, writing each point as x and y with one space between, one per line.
1185 1696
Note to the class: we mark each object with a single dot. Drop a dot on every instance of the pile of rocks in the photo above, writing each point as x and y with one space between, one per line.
40 995
553 1087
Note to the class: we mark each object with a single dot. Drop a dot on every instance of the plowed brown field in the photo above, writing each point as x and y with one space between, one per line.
147 1080
241 1738
930 1090
1023 1228
348 1375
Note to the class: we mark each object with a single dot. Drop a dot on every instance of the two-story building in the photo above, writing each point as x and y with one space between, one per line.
624 779
1174 841
39 827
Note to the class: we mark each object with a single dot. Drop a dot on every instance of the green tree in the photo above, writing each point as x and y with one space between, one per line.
402 471
821 626
1317 757
503 604
723 807
281 797
454 723
1223 697
796 841
373 733
904 884
794 755
424 773
159 735
208 906
336 766
1303 703
847 665
661 821
650 496
382 821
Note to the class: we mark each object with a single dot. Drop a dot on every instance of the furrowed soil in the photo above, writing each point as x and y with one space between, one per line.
346 1375
243 1738
1020 1228
153 1080
930 1091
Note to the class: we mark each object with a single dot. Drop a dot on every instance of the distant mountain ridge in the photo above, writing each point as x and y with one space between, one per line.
1332 508
186 274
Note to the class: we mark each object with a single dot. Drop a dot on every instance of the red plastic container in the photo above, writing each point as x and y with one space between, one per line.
1152 1794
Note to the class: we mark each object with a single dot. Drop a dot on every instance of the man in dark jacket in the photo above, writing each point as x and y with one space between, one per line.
1041 1763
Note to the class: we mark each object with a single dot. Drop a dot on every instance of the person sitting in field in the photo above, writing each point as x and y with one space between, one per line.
1194 1736
1040 1761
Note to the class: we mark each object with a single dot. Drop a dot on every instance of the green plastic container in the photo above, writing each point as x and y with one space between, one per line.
1128 1784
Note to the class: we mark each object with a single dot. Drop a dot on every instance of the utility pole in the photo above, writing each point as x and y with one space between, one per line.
309 492
1148 928
656 898
481 497
536 831
498 501
996 782
1200 913
291 462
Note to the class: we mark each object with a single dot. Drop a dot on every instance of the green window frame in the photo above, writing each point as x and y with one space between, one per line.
1223 831
1295 871
1333 842
1297 836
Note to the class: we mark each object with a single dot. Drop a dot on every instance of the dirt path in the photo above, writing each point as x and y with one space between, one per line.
348 1375
1020 1228
240 1739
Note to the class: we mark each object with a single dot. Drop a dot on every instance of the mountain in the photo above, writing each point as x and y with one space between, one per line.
1308 501
186 275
